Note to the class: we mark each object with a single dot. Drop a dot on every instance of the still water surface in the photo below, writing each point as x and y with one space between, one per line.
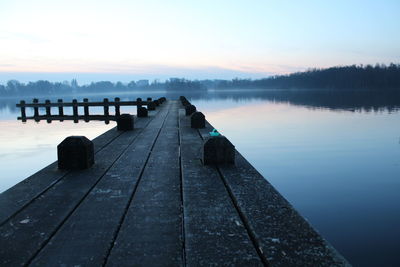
337 161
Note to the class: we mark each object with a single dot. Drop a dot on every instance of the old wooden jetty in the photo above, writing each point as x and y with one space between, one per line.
151 199
86 116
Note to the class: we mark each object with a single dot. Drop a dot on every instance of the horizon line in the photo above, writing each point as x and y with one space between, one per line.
186 73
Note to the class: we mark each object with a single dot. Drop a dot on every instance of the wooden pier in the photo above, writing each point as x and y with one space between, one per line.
85 104
150 201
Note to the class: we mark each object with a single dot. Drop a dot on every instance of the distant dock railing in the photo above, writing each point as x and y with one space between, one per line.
86 116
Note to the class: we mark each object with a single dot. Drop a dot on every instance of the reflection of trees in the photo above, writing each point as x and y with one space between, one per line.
336 100
9 103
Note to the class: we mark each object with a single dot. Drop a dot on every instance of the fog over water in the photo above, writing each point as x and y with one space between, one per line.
334 156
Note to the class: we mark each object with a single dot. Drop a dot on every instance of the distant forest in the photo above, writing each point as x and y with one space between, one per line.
378 77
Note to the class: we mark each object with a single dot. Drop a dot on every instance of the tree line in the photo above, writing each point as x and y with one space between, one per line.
42 87
378 77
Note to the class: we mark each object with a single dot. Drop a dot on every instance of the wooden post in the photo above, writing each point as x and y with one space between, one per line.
106 110
125 122
117 111
142 112
23 112
75 153
190 109
48 111
151 105
218 150
139 104
60 108
75 110
86 109
36 110
197 120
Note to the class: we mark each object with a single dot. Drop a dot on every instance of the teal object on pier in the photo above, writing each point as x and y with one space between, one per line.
214 133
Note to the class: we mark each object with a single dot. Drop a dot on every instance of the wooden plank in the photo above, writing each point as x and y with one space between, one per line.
151 234
82 104
71 117
284 236
214 232
18 196
30 229
90 231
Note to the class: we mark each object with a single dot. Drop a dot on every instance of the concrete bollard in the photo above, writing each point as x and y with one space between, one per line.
197 120
218 150
125 122
142 112
75 153
190 109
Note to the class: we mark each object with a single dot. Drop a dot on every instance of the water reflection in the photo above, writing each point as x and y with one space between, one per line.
27 148
365 101
334 100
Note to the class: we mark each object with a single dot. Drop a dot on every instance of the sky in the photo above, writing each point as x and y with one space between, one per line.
154 39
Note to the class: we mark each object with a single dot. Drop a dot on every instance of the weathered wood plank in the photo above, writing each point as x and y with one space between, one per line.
89 232
83 104
151 232
18 196
26 232
284 236
214 232
71 117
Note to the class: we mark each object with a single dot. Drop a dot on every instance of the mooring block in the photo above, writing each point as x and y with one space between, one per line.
197 120
190 109
186 103
142 112
218 150
151 106
125 122
75 153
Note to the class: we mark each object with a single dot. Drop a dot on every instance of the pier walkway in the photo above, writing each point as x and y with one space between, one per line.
150 201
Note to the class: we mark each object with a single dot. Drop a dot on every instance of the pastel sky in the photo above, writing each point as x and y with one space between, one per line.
193 39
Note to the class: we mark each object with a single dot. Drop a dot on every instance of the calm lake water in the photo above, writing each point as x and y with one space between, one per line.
335 157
